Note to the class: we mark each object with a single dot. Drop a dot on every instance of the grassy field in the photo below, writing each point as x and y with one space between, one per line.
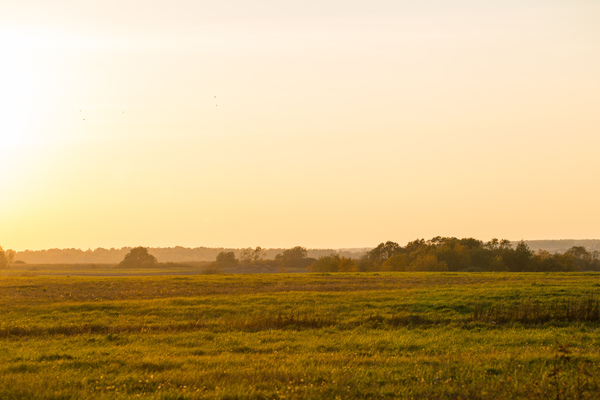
161 269
301 336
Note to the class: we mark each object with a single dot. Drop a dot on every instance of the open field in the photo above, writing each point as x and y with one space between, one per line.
378 335
161 269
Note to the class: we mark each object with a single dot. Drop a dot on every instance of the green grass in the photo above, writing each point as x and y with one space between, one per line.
298 336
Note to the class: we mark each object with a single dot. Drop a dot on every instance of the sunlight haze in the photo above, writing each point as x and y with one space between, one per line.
317 123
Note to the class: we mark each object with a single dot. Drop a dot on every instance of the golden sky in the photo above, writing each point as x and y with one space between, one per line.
316 123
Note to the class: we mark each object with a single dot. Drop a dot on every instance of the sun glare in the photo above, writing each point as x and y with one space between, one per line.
26 99
19 80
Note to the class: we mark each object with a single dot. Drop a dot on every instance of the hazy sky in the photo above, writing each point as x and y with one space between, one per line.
335 123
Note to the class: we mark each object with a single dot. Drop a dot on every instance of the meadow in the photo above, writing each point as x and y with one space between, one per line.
300 336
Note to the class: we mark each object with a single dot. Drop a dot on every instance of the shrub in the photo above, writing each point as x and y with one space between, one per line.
138 257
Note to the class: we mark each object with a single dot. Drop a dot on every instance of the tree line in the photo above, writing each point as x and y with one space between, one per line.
7 257
296 257
437 254
164 254
467 254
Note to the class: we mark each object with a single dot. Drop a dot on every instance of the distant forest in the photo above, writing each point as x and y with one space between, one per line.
187 254
467 254
560 246
163 254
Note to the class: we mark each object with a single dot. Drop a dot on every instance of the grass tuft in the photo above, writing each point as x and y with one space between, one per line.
530 311
294 321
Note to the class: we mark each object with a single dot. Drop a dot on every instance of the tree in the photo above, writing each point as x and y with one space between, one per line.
397 262
10 256
250 256
293 258
545 261
138 257
427 262
384 251
226 259
259 254
455 254
419 245
347 264
332 263
581 257
486 259
579 252
246 256
3 258
518 259
363 264
493 244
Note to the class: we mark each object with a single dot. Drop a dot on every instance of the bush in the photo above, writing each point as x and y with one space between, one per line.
427 262
333 263
138 257
226 259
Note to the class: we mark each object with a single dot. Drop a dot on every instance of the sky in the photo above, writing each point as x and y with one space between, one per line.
326 124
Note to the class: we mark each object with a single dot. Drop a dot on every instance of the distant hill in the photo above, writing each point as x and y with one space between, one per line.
562 245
